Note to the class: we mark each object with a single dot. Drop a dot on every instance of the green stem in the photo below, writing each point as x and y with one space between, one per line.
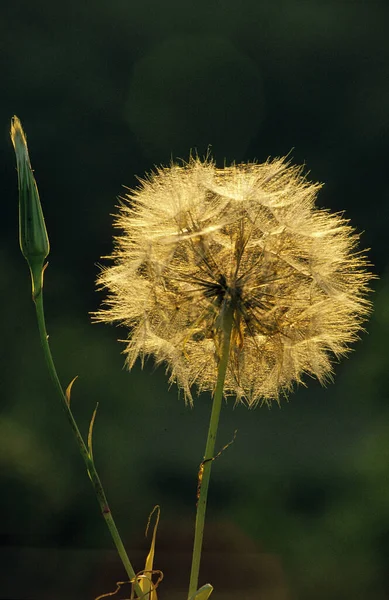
209 451
87 457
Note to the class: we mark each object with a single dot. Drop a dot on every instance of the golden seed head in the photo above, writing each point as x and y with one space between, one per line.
197 239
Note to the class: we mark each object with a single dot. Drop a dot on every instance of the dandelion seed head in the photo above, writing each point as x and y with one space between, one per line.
196 240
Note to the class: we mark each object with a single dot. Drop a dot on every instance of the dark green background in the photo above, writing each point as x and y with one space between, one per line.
299 504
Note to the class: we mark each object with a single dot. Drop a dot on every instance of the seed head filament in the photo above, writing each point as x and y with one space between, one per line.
247 240
246 287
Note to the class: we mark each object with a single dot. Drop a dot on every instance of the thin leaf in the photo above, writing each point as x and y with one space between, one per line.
201 468
69 390
90 432
145 581
203 593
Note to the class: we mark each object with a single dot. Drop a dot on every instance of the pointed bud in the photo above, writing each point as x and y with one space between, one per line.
33 239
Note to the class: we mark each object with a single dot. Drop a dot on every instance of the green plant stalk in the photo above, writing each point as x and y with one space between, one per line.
85 453
210 449
35 247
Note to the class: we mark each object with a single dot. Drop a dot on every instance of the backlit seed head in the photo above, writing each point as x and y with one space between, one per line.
196 240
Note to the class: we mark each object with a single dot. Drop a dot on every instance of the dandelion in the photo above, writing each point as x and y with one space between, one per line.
198 241
238 283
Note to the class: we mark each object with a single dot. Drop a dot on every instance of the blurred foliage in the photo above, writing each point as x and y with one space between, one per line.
105 91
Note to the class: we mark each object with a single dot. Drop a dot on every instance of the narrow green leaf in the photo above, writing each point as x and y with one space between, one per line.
203 593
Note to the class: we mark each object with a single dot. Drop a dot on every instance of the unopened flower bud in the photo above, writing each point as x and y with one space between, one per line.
33 238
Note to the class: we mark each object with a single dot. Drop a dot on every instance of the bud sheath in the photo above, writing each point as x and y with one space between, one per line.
33 238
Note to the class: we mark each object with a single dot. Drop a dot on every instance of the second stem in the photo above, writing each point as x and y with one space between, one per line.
84 451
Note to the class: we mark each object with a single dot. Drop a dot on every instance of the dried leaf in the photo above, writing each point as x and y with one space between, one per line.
145 581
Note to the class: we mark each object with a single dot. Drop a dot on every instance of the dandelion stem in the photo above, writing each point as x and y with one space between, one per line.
86 455
209 450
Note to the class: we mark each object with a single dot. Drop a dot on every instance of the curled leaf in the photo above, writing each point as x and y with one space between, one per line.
119 584
90 432
69 390
144 579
